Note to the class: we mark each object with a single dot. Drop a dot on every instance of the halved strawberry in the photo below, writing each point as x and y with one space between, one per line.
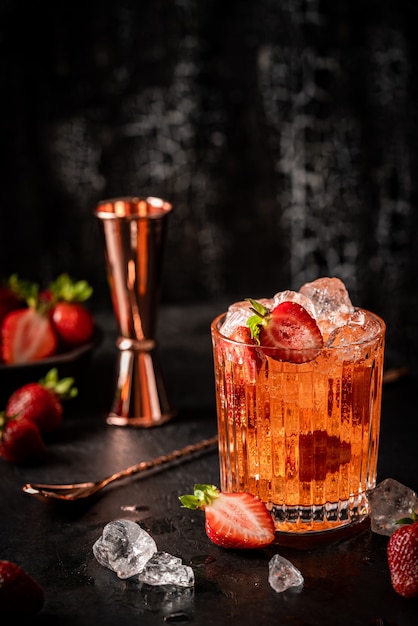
27 335
232 520
13 295
290 333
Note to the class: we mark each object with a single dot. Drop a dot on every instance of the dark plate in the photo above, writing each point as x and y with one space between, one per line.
71 363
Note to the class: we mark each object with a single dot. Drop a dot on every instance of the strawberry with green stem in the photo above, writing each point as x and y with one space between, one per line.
41 402
71 319
402 553
232 520
287 332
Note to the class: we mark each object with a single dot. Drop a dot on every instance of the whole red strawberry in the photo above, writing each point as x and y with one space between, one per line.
71 319
288 331
232 520
73 323
20 594
402 552
20 440
41 402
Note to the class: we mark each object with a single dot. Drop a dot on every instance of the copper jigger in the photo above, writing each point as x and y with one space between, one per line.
134 233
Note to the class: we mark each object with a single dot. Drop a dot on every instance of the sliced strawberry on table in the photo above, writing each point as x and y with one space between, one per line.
20 440
41 402
402 553
288 331
20 593
232 520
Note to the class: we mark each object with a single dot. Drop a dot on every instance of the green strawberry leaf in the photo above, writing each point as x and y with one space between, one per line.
408 520
259 319
202 496
64 288
64 387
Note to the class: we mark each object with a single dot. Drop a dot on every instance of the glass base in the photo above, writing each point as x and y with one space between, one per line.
315 539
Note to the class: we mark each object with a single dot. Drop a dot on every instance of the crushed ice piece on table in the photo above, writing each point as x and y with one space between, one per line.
124 548
283 574
166 569
389 502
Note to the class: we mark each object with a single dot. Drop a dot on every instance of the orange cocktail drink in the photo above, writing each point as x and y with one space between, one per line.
302 434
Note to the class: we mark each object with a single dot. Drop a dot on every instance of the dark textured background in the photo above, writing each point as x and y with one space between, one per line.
284 133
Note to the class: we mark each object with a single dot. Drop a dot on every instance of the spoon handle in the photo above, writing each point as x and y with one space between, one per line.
162 460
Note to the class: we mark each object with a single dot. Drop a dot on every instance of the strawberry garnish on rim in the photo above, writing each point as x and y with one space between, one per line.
290 333
232 520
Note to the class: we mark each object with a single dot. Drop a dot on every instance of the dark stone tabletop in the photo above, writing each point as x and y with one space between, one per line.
346 583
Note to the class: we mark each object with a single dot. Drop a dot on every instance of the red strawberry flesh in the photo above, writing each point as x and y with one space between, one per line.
239 520
287 332
27 336
232 520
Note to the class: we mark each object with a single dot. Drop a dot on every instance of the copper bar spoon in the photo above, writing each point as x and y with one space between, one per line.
76 491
